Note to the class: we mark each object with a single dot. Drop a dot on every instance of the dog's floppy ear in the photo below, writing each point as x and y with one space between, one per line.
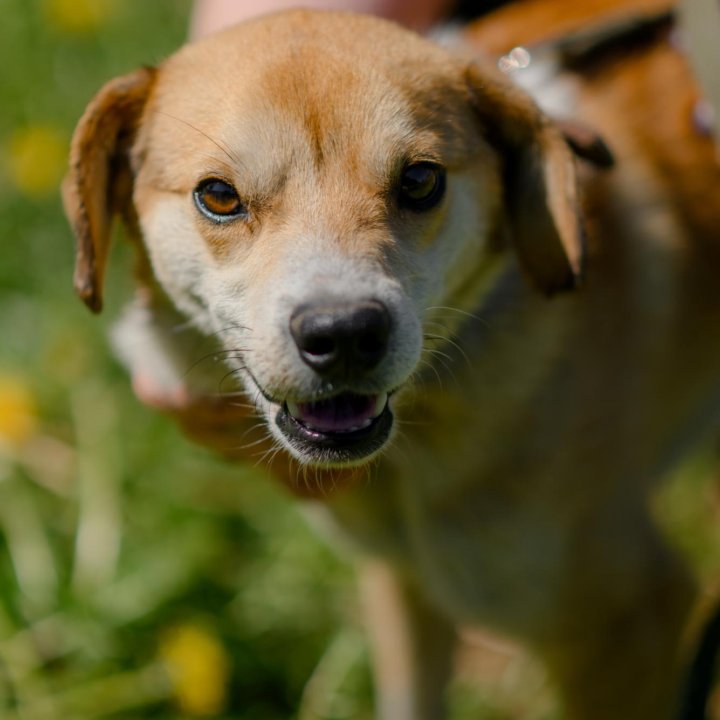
96 185
539 181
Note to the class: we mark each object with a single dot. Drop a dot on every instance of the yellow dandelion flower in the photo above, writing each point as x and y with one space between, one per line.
37 158
79 16
198 667
18 417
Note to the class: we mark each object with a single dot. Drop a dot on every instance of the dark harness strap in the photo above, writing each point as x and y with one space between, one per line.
584 48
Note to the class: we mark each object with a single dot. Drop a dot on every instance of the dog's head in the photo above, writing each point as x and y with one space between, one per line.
310 186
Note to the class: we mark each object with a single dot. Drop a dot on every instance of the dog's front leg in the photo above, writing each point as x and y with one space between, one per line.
620 655
411 645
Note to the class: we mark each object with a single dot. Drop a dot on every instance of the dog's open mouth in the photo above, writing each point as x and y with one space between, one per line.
343 428
346 413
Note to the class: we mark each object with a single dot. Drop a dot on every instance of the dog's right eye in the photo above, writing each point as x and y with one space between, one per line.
218 200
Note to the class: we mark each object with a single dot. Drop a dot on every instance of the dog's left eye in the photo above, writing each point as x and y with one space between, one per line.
422 186
218 200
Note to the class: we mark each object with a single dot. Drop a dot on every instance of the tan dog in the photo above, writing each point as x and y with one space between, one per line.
371 227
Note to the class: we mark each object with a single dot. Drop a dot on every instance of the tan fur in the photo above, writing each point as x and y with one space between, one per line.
514 492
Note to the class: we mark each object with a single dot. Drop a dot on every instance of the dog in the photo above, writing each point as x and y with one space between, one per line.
475 346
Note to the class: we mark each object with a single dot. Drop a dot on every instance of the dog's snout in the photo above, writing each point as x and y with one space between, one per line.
341 338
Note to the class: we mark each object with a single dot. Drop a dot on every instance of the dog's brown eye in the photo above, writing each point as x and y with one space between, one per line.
422 186
218 200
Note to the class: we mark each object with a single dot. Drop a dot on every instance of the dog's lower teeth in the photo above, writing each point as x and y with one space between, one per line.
364 424
380 404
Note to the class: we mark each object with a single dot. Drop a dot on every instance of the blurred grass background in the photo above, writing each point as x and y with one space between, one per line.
139 576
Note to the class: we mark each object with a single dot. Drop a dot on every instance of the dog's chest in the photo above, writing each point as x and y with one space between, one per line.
484 553
504 464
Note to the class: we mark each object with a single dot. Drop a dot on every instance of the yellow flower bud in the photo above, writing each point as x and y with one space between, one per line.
37 159
79 16
18 417
198 667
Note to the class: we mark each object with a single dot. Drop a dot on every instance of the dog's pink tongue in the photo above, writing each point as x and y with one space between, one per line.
343 413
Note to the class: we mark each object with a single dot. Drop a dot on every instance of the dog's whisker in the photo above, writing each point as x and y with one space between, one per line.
450 341
242 406
414 423
221 146
232 354
452 314
304 470
250 445
445 362
231 326
455 310
220 336
269 460
426 363
459 348
439 354
448 371
438 324
227 351
226 378
432 336
252 428
264 455
317 483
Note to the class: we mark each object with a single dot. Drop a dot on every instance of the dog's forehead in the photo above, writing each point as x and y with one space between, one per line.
310 78
363 41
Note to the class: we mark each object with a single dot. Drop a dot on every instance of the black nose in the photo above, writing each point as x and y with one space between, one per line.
341 339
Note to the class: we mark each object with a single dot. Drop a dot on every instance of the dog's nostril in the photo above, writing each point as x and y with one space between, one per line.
318 345
341 338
